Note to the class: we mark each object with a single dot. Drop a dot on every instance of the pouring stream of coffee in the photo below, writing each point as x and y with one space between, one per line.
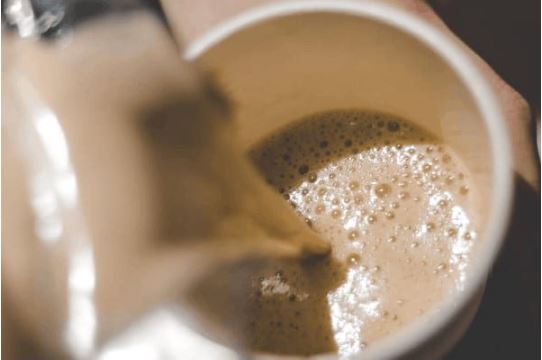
285 234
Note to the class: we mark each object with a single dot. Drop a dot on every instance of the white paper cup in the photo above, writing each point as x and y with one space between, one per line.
288 60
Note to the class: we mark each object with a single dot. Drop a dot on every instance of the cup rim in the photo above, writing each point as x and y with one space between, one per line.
417 333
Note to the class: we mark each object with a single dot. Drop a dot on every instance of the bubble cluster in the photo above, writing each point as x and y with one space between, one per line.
395 203
275 301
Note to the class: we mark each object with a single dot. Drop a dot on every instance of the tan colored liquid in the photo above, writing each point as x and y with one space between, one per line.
396 206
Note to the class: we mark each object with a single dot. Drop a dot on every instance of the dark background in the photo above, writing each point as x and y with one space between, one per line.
506 34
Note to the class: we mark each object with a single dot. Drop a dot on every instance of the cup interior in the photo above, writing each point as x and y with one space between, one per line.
288 67
282 68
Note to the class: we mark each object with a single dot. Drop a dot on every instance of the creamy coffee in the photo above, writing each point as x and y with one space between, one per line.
396 205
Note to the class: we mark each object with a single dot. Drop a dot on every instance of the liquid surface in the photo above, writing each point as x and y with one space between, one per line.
395 204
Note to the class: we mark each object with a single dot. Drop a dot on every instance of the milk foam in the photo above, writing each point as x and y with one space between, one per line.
396 205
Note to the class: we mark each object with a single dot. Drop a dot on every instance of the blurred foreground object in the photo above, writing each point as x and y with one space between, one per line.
122 183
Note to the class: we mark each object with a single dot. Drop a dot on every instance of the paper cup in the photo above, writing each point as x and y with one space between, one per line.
282 62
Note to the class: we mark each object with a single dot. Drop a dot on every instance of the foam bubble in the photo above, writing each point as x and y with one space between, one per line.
382 190
353 259
353 235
